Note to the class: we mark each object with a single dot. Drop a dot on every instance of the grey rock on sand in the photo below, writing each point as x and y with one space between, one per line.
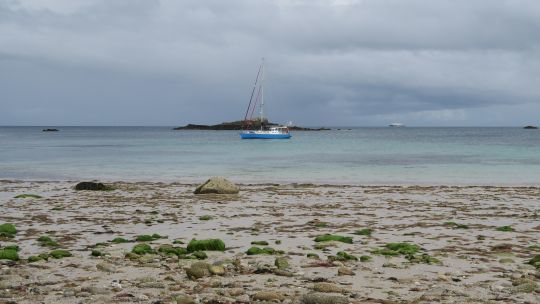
268 296
217 185
319 298
327 287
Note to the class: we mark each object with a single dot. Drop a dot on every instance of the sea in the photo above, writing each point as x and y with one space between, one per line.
378 155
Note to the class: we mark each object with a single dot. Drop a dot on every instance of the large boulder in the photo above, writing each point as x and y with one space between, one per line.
91 186
217 185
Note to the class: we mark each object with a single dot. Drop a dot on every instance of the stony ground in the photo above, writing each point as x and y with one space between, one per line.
462 255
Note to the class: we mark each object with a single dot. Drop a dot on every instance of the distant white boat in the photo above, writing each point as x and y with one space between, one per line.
396 125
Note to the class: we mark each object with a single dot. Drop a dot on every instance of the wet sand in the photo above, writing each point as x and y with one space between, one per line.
463 258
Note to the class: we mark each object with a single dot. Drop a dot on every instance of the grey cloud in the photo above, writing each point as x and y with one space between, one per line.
329 62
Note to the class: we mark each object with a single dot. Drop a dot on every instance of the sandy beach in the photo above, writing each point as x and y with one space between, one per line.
463 244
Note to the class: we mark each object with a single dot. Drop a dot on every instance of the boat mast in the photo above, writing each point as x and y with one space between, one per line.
262 94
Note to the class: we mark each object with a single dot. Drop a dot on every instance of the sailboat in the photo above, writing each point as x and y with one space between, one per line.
263 131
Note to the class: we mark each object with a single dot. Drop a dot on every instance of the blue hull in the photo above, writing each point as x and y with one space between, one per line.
264 136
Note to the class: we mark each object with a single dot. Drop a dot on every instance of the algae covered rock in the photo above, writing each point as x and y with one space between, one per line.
198 270
92 186
217 185
281 263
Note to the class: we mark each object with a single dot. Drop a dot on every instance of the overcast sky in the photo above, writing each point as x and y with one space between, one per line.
329 62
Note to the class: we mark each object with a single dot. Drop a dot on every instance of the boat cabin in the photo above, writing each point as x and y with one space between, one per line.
279 130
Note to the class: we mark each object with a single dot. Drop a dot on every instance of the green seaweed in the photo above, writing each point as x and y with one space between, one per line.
27 196
312 256
46 241
385 252
141 249
394 249
206 245
505 229
403 248
331 237
258 250
148 238
60 253
456 225
365 232
9 254
535 261
318 224
423 258
169 249
365 258
342 256
260 243
200 255
40 257
34 258
535 247
12 247
8 230
205 218
119 240
96 253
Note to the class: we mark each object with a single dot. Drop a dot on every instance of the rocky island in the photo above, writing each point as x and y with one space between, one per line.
238 125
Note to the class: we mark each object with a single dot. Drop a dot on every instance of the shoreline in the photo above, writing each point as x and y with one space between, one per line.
197 181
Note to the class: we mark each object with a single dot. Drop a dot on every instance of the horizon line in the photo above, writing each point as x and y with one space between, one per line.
307 126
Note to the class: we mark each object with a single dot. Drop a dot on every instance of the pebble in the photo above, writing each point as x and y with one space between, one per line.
327 288
342 271
243 299
106 267
216 270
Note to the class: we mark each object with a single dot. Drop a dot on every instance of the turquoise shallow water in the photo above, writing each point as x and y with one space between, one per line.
361 155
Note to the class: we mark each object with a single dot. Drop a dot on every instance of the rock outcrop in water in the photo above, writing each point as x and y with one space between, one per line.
217 185
239 125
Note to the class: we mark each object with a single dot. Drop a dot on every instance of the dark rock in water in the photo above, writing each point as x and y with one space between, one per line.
530 127
217 185
240 125
92 186
50 130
